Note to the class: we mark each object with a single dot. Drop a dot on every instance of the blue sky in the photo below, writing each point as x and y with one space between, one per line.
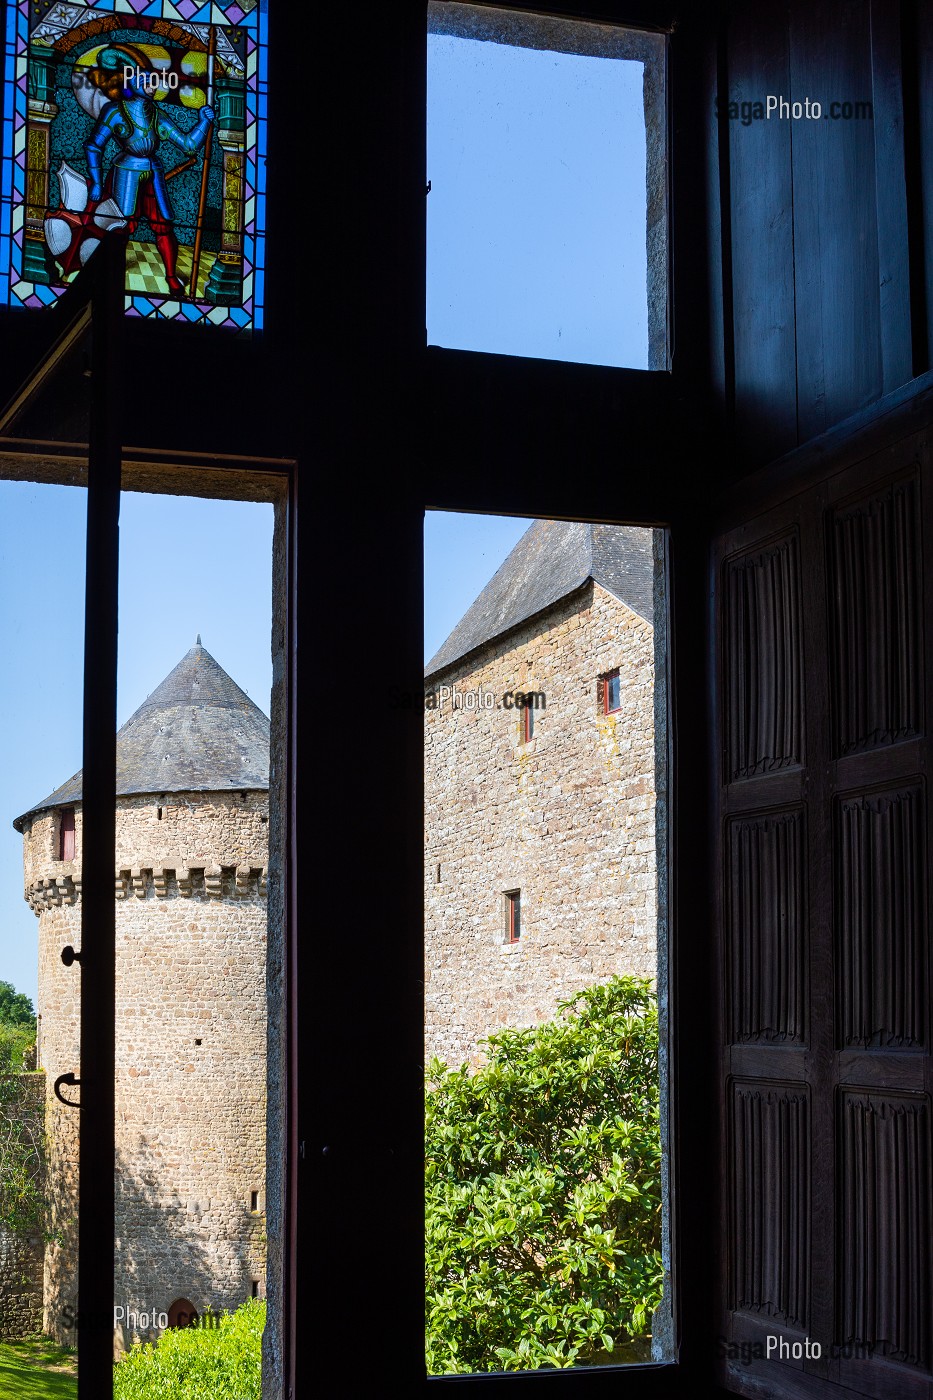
186 566
461 554
536 216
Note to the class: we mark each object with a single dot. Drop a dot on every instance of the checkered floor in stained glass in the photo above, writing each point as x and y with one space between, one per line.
145 273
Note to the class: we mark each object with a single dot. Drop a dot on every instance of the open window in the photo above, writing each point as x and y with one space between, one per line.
538 1112
547 208
170 858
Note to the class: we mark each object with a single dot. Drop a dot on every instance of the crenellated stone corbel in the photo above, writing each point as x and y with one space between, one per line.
213 882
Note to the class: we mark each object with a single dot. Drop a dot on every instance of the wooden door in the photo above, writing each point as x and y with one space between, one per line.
823 835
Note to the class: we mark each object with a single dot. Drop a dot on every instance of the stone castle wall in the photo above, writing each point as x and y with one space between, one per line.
567 819
21 1255
191 899
176 831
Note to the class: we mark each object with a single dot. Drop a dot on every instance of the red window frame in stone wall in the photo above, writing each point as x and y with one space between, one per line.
513 916
604 691
528 723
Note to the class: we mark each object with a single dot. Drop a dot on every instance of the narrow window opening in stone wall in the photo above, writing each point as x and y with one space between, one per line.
546 209
528 723
513 916
549 927
158 814
611 691
66 835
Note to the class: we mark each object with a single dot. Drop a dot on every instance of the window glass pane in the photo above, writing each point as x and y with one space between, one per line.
192 923
546 225
42 547
147 121
545 939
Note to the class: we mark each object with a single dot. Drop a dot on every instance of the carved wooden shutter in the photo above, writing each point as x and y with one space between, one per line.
823 832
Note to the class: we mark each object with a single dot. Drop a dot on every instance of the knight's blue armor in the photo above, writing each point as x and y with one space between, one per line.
139 128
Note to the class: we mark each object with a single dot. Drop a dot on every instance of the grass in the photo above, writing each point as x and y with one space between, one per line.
37 1369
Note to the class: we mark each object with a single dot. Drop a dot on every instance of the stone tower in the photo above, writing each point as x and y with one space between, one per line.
190 886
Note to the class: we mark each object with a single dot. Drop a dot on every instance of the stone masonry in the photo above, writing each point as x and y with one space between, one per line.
567 818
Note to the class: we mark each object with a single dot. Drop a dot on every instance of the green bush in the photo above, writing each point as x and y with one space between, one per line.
17 1029
222 1362
543 1193
16 1009
17 1047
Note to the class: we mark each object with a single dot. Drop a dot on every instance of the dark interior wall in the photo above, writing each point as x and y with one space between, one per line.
826 223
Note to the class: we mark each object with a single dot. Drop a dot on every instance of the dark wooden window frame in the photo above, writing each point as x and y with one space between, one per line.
503 412
547 415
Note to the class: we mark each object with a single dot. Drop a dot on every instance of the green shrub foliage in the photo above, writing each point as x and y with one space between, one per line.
17 1029
15 1008
543 1193
218 1362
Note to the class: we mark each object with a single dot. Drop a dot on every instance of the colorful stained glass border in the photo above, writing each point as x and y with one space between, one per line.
250 16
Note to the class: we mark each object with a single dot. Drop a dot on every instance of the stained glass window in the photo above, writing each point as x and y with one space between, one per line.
145 119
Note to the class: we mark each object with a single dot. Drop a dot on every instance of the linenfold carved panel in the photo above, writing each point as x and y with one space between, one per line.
770 1224
767 928
764 663
883 1225
877 605
879 920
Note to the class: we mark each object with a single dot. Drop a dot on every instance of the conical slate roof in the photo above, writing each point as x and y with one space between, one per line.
197 732
554 558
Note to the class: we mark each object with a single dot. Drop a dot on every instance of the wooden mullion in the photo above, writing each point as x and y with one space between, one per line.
98 921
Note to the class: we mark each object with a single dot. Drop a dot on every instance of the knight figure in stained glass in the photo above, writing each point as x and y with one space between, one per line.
148 118
136 181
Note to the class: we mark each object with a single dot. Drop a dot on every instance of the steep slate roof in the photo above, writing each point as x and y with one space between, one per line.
197 732
552 559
